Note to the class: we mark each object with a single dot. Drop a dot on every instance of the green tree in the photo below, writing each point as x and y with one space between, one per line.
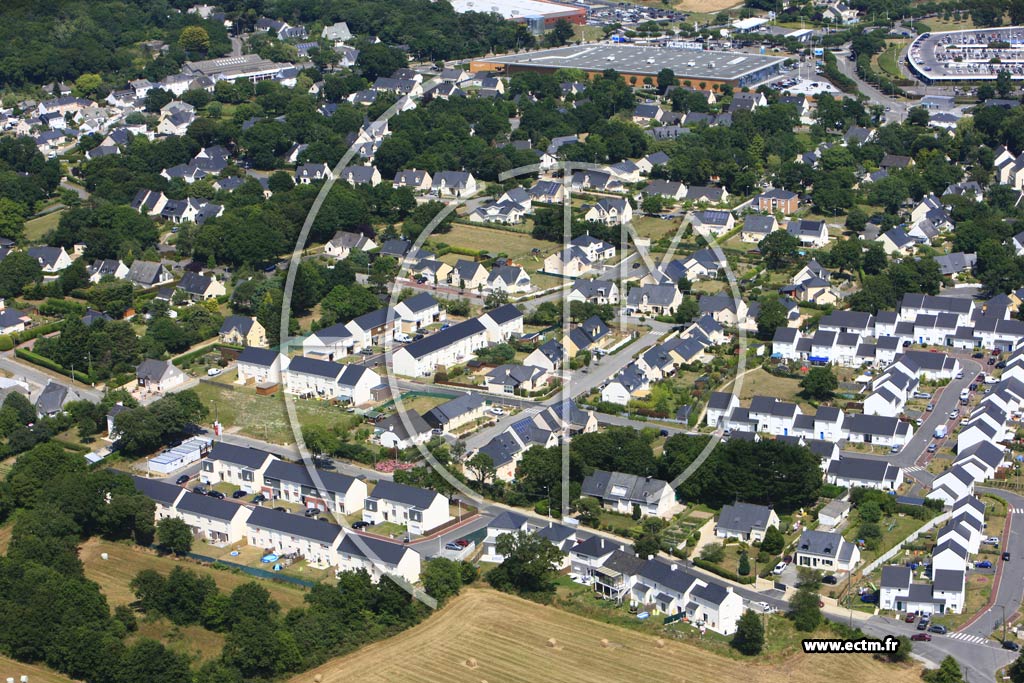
442 578
804 609
779 249
175 535
820 383
666 78
530 566
772 316
12 218
749 637
1016 670
194 39
949 671
713 552
88 84
874 260
649 543
856 219
561 34
846 255
773 541
148 660
687 311
383 273
481 466
870 512
743 567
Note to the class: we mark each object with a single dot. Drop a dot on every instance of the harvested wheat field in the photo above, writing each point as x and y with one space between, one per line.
484 635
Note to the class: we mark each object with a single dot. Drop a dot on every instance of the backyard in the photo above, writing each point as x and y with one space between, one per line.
36 229
241 410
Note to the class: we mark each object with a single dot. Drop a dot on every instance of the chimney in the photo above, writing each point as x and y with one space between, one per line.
602 544
674 566
650 557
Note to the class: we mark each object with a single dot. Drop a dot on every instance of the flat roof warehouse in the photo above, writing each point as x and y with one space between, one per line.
736 68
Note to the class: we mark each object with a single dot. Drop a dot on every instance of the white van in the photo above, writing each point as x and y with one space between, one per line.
402 337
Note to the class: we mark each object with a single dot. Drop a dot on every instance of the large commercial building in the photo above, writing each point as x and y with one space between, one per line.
251 67
700 68
538 15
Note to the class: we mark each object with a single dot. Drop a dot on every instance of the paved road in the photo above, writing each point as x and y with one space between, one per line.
1010 575
896 109
39 378
77 189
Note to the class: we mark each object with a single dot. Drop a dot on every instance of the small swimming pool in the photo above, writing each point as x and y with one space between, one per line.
267 559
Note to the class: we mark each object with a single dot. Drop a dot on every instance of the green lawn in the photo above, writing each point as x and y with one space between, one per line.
760 382
888 59
894 530
37 229
265 417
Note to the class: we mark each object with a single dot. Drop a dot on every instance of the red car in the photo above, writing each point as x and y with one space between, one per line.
921 636
462 543
910 618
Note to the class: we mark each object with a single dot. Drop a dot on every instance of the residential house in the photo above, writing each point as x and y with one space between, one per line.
260 366
51 259
810 233
864 473
333 492
239 466
401 431
282 533
159 376
215 521
243 330
827 551
378 557
745 521
778 200
625 493
609 211
199 287
148 274
420 510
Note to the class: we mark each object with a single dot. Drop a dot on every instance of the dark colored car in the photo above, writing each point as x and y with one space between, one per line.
991 361
360 525
921 636
979 354
183 479
201 490
1010 645
259 498
312 512
239 494
215 494
1006 557
281 509
922 625
324 463
418 337
830 579
938 628
664 432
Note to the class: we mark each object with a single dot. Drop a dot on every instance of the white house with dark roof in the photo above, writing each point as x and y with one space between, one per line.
329 343
745 521
420 510
810 233
284 533
949 555
459 411
51 259
419 311
329 491
402 431
378 557
720 406
444 348
344 243
260 366
311 173
952 485
158 376
239 466
622 493
872 473
326 379
165 496
827 551
609 211
877 429
418 181
215 521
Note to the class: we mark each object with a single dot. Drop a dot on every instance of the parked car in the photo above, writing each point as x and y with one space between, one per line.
938 628
497 411
954 414
922 625
239 494
213 372
183 479
461 542
281 509
930 407
201 490
991 540
921 636
312 512
259 498
324 463
1010 645
978 354
983 564
910 618
360 524
215 494
922 394
991 361
974 386
452 546
932 448
779 568
830 579
960 375
1006 557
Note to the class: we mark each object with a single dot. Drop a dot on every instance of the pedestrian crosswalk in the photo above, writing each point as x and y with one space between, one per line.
915 468
968 638
1017 511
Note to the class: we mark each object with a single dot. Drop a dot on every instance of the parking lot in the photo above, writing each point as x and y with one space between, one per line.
972 54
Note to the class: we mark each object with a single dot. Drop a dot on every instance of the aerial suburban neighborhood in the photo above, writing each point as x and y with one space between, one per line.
528 341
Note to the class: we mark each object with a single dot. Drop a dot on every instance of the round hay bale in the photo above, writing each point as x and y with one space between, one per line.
471 663
604 642
659 643
318 678
552 642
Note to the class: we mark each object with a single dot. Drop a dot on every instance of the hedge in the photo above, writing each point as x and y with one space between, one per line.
45 362
37 331
186 358
724 573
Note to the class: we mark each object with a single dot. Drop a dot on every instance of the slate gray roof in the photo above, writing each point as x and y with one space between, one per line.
377 549
896 576
294 525
402 493
450 410
145 273
257 356
159 491
947 580
620 486
827 544
238 455
207 506
863 469
744 517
